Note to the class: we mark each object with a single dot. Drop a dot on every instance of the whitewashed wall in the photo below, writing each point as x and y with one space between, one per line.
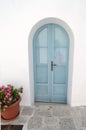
17 17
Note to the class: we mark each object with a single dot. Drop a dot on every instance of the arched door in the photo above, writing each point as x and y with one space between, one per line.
50 57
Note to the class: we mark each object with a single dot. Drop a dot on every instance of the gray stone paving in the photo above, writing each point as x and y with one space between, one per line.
50 116
67 124
27 111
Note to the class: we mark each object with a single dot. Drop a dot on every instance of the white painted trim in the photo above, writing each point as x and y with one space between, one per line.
71 53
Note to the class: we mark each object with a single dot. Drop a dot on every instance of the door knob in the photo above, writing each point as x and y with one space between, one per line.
52 65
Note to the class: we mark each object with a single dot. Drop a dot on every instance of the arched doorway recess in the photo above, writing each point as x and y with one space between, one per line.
51 22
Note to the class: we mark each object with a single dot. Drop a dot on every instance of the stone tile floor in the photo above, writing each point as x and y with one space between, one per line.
50 116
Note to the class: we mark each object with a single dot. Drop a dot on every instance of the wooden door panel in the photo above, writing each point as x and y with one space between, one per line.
51 43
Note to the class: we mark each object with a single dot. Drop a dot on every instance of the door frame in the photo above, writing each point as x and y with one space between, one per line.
30 55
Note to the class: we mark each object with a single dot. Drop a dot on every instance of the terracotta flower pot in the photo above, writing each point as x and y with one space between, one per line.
12 111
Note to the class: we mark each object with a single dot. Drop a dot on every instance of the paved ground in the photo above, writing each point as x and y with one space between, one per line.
50 117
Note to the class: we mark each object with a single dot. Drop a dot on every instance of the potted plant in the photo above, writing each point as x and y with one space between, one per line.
9 101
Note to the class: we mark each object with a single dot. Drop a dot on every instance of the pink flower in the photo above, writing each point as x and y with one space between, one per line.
0 103
4 99
8 87
7 93
6 96
8 90
3 86
5 106
10 99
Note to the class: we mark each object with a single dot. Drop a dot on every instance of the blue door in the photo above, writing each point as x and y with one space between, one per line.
50 57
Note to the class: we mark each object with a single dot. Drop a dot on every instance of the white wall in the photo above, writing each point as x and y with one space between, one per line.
17 17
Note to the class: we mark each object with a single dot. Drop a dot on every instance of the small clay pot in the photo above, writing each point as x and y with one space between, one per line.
12 111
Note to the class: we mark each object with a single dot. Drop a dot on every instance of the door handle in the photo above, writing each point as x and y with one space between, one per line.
52 65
